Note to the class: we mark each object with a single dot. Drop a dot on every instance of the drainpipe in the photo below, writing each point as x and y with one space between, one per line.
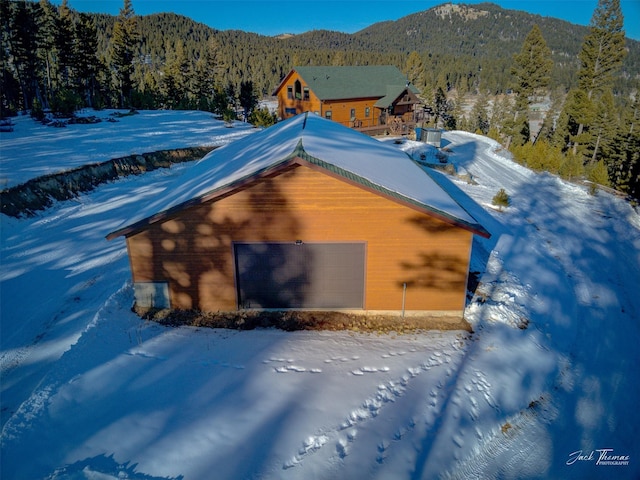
404 296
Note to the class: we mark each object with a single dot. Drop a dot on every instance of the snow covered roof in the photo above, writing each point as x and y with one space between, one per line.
310 139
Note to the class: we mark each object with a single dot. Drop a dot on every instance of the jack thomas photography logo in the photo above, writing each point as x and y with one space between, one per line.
601 457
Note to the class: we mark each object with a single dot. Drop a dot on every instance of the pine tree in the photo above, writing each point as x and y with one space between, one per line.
604 127
624 162
578 111
262 118
48 51
601 57
230 92
442 107
125 37
531 71
479 117
531 67
63 40
87 64
501 199
603 49
175 79
548 128
206 76
455 119
9 87
248 99
24 41
414 70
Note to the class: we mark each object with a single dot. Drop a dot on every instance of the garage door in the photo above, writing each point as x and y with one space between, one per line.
300 275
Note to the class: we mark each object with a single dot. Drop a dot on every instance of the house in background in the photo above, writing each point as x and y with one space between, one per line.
372 99
307 214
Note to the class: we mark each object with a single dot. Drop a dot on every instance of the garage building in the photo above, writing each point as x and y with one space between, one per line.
307 214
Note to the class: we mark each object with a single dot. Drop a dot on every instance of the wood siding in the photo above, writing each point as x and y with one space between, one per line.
366 115
286 105
353 112
193 251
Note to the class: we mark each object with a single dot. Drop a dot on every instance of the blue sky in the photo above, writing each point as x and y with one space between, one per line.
269 17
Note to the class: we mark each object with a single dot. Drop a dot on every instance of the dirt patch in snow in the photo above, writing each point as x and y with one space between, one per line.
290 320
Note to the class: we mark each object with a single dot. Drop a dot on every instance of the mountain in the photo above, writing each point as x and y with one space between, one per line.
484 32
470 45
479 30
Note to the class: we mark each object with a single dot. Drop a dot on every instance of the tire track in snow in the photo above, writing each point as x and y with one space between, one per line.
524 429
37 402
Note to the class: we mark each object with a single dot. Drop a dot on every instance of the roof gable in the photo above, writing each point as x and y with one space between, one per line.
338 150
335 83
394 92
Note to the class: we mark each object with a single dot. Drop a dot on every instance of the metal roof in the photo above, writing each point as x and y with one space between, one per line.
306 139
368 81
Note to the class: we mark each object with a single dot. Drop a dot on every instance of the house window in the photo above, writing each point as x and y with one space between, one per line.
290 92
327 115
298 90
367 111
306 94
353 113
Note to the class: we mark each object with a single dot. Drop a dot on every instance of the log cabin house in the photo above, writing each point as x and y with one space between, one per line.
372 99
306 214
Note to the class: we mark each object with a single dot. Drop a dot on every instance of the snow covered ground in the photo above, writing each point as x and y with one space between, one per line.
546 387
34 149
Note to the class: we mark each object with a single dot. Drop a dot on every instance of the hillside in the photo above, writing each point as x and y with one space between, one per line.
481 30
458 39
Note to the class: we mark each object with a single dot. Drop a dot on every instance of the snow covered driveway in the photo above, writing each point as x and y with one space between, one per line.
569 263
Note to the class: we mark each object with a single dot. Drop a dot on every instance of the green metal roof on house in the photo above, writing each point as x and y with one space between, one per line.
393 92
336 83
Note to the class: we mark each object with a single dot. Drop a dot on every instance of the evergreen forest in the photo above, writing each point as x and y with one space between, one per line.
480 68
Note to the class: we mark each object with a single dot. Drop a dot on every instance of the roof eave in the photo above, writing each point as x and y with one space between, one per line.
298 157
282 82
216 194
352 179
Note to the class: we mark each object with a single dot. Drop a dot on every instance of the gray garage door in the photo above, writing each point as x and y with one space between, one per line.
307 275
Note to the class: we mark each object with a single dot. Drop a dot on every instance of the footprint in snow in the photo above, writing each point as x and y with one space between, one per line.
343 444
393 354
297 369
341 359
362 370
309 445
